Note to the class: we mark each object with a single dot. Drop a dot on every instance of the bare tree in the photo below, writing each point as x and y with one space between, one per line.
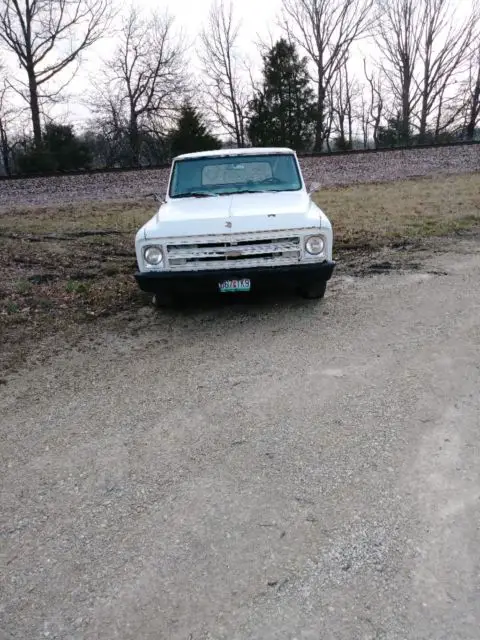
5 121
329 116
398 35
449 114
109 134
48 37
363 118
375 103
443 52
326 30
342 105
225 88
473 94
424 49
146 78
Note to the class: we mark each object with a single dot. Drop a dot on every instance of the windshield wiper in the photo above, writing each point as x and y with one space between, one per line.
196 194
234 193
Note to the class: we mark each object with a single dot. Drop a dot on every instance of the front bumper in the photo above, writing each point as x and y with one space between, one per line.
262 278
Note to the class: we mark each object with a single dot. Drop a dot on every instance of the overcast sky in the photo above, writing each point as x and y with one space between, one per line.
256 17
258 20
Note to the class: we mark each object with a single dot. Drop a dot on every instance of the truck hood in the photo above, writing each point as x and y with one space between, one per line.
239 213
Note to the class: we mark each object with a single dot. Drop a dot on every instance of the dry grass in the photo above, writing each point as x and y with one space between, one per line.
66 264
370 214
123 216
378 214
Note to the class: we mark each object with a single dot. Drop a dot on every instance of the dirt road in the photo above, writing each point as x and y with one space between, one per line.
258 471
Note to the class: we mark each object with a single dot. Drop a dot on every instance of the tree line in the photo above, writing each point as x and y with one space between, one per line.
317 90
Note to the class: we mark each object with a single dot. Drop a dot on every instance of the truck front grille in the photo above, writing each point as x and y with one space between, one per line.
231 252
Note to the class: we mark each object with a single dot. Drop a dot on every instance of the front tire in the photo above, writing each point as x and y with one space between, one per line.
313 290
162 300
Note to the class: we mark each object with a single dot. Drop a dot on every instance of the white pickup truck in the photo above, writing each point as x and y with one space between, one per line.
235 220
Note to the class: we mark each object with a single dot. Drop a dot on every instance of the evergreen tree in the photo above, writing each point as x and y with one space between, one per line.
283 112
392 135
67 150
61 150
191 134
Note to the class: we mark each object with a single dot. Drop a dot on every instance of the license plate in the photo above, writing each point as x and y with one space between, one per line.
233 286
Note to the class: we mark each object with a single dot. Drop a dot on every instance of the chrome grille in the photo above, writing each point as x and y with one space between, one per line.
231 252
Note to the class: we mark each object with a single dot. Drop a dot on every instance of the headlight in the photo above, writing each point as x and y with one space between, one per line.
315 245
153 255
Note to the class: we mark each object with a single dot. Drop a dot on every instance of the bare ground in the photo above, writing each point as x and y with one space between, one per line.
263 470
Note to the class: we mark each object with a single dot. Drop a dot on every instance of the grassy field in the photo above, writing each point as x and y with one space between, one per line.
378 214
63 265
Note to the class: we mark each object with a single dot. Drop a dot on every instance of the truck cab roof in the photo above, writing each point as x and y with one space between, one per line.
246 151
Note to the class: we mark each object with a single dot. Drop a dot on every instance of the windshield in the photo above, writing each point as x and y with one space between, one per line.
217 176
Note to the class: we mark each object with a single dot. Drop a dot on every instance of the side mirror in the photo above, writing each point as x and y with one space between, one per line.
315 186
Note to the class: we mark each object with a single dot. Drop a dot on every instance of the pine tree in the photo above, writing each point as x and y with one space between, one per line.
283 112
391 135
61 150
191 134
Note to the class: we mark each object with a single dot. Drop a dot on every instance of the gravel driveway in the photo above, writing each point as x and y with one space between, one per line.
258 471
